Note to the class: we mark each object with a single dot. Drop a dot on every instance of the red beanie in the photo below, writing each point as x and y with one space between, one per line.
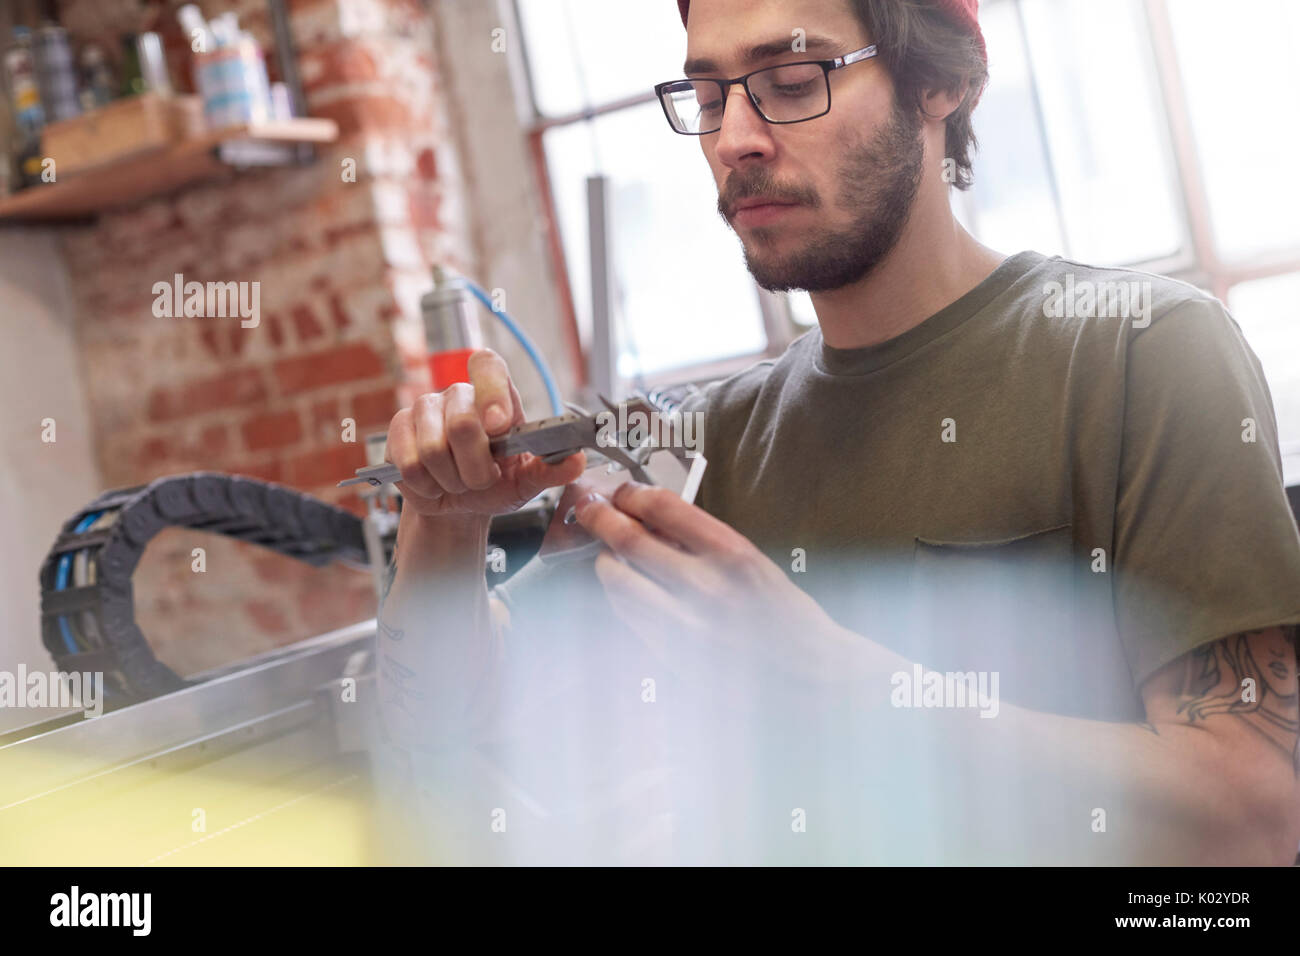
964 13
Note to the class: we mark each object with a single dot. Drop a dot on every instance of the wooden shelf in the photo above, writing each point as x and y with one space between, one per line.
152 172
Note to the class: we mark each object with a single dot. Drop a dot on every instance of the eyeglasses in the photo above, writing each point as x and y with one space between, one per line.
789 93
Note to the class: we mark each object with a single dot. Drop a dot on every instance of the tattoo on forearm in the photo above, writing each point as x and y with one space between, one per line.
397 679
1250 676
389 574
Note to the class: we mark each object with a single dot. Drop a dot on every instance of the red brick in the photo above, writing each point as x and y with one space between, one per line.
277 331
211 343
374 408
349 230
265 471
326 466
272 430
153 452
214 440
427 164
345 363
349 62
238 339
338 313
325 416
365 114
275 568
333 604
240 387
267 616
306 324
422 206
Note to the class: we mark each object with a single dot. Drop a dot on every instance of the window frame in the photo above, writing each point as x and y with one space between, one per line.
779 325
1198 262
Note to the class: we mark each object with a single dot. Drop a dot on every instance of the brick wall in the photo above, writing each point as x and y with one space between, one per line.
341 267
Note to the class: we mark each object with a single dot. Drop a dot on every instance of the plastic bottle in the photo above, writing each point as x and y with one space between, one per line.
20 67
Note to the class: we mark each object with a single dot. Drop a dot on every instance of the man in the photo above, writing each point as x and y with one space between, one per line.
1074 514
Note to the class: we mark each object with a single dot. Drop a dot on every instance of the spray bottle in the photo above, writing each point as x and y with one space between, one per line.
450 327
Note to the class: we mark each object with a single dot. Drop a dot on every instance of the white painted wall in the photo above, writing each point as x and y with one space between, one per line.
40 484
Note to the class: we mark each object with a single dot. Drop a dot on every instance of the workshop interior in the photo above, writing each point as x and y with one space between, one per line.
238 236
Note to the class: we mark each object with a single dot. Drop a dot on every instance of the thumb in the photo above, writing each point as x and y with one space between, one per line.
536 475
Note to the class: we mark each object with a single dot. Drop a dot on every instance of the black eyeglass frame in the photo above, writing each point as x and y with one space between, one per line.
835 63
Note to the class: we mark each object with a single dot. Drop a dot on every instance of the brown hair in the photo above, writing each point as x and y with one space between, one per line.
924 51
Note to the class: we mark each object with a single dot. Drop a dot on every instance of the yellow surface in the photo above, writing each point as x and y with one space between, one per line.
142 816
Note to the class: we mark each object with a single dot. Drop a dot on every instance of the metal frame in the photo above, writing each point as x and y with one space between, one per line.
827 65
603 364
287 58
1199 262
1221 274
240 704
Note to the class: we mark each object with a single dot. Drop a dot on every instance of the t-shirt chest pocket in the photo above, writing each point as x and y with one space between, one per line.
996 604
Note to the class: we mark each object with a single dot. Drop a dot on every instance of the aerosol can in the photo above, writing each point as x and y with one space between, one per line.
450 327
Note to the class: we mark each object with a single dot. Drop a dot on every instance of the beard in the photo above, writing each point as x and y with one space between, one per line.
877 181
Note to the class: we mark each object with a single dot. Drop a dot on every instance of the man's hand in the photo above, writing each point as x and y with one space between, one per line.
440 445
704 598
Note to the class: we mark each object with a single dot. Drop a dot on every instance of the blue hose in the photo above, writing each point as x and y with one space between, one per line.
557 404
61 579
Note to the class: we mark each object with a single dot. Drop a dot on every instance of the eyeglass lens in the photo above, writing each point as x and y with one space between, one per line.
783 94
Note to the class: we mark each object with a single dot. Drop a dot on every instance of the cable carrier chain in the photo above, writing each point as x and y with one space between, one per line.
89 624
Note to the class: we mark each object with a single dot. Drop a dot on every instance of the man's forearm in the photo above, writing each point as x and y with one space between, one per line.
1099 792
436 646
1082 790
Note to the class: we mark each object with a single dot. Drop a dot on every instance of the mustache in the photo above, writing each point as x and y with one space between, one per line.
761 184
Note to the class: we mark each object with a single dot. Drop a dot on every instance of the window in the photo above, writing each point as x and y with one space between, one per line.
596 113
1149 133
1234 68
1145 133
1268 311
681 292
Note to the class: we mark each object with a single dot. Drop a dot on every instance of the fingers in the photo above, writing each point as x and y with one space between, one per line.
441 444
646 551
668 515
431 443
519 405
535 476
495 398
467 438
402 451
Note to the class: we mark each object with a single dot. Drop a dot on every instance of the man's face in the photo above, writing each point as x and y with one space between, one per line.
816 204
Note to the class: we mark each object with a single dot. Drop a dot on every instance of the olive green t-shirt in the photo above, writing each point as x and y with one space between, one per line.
1070 477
